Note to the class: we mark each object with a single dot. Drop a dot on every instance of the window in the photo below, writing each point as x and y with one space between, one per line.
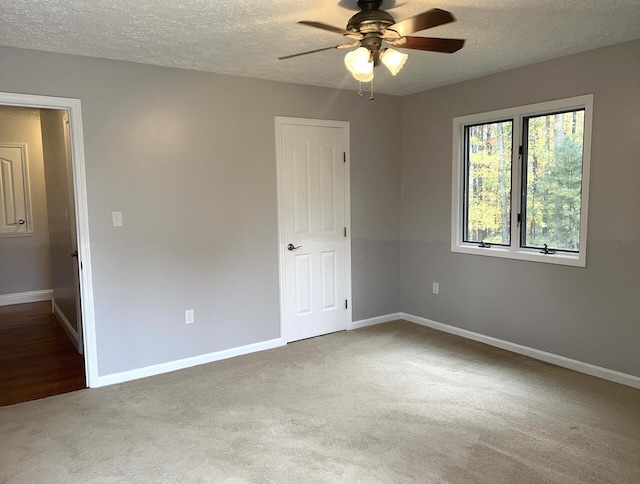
521 182
487 190
14 190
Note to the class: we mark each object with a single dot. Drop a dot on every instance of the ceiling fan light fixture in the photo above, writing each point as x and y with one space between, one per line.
370 28
393 60
360 64
363 76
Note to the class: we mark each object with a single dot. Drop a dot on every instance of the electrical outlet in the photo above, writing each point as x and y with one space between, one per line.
436 288
188 316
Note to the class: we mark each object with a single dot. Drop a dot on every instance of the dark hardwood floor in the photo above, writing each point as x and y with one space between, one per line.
37 358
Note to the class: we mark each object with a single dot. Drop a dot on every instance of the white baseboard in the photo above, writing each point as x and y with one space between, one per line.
587 368
363 323
580 366
26 297
66 325
186 363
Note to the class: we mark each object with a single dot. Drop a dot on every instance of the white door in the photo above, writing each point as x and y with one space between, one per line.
313 232
71 217
14 190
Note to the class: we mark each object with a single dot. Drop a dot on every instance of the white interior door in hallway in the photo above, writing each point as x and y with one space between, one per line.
71 215
314 243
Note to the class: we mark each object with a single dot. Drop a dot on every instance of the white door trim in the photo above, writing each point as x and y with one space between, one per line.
73 106
279 122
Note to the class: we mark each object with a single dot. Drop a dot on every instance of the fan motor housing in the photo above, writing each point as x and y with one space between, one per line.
370 21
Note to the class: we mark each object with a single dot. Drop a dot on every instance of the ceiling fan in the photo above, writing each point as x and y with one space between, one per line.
370 27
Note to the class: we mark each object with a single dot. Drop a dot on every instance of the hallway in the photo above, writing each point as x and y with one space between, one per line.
37 358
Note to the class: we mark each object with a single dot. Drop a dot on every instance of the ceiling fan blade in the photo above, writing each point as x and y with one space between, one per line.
425 20
341 46
433 44
330 28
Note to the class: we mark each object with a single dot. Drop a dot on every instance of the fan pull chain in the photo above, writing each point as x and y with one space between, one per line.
372 98
359 88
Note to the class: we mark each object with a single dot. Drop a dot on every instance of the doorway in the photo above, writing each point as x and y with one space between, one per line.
314 226
70 301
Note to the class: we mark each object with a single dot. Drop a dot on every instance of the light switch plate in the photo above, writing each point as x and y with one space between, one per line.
188 316
117 219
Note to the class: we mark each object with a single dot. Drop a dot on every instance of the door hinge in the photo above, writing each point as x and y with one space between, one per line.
346 304
344 157
345 231
80 265
519 219
520 150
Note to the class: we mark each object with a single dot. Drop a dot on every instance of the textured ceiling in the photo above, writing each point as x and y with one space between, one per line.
244 38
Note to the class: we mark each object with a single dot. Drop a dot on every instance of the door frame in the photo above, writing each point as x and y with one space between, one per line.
73 107
281 121
72 223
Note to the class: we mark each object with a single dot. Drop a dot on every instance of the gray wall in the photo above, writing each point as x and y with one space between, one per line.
591 314
189 158
24 260
59 212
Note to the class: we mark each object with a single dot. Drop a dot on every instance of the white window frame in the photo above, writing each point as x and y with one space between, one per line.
517 114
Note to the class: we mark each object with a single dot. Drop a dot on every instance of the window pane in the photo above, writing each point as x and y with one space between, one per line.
553 180
488 183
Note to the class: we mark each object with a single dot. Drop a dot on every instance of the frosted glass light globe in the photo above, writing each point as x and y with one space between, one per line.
360 64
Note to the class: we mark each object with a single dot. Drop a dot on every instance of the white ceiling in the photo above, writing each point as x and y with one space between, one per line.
244 38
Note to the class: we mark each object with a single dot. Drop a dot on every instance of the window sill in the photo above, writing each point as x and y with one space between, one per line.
560 258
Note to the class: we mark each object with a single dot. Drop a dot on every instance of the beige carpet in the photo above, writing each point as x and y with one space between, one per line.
390 403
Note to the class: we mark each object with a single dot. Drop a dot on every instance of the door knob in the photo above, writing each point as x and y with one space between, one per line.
293 247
